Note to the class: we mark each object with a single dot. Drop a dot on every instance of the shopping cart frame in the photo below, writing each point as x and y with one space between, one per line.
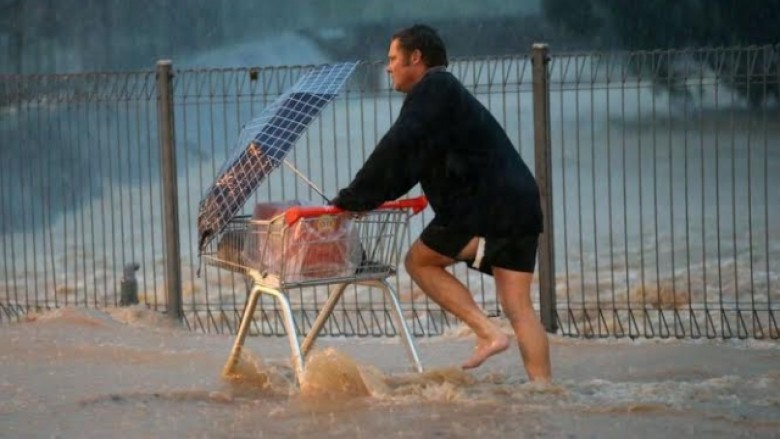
379 232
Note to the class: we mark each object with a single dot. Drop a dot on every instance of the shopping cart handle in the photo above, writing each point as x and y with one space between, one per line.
293 214
417 204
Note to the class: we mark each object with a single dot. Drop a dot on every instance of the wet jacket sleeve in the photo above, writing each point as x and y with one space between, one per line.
395 165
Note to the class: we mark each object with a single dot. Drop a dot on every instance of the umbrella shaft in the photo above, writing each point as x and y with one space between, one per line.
309 182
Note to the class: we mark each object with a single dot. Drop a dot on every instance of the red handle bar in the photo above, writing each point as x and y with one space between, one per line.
293 214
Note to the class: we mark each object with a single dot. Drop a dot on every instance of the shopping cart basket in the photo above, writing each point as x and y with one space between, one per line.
306 246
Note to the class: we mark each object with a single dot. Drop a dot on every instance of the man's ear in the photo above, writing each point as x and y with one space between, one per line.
416 56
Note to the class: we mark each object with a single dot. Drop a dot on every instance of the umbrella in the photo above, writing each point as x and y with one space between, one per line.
264 142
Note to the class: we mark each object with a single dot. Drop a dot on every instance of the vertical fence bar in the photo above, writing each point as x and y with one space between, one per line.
170 190
543 167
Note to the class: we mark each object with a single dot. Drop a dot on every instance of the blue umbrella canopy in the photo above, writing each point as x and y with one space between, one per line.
264 142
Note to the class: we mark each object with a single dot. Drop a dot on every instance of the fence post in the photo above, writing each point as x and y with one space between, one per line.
170 190
543 168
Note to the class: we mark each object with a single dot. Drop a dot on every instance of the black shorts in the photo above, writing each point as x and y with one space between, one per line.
516 253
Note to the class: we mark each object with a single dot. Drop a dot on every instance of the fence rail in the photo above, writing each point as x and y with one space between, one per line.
662 178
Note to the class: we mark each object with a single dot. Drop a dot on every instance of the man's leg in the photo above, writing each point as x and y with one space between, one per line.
427 269
514 291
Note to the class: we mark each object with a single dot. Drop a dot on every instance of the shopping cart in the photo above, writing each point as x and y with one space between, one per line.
307 246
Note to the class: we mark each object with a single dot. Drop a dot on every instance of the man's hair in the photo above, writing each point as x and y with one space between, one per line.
426 40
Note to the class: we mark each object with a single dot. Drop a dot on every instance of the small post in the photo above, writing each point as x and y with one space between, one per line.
543 169
129 285
170 190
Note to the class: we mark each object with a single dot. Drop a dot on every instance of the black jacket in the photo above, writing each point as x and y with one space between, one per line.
446 140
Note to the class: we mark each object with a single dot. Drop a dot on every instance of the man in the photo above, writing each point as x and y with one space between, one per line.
485 199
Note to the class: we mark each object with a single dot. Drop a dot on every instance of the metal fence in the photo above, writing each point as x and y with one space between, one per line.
666 192
662 189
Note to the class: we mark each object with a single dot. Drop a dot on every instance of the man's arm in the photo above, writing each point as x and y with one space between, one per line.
395 165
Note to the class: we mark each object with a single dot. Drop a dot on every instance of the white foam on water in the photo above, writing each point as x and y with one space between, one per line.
277 49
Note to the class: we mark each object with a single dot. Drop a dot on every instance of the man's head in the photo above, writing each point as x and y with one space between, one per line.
412 52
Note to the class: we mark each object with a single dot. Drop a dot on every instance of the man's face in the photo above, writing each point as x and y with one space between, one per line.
404 68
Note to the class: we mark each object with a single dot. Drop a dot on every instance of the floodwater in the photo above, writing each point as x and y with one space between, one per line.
131 373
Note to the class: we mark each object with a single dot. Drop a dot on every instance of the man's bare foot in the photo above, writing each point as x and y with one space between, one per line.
485 349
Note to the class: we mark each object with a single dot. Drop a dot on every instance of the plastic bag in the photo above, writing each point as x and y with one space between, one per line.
325 246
